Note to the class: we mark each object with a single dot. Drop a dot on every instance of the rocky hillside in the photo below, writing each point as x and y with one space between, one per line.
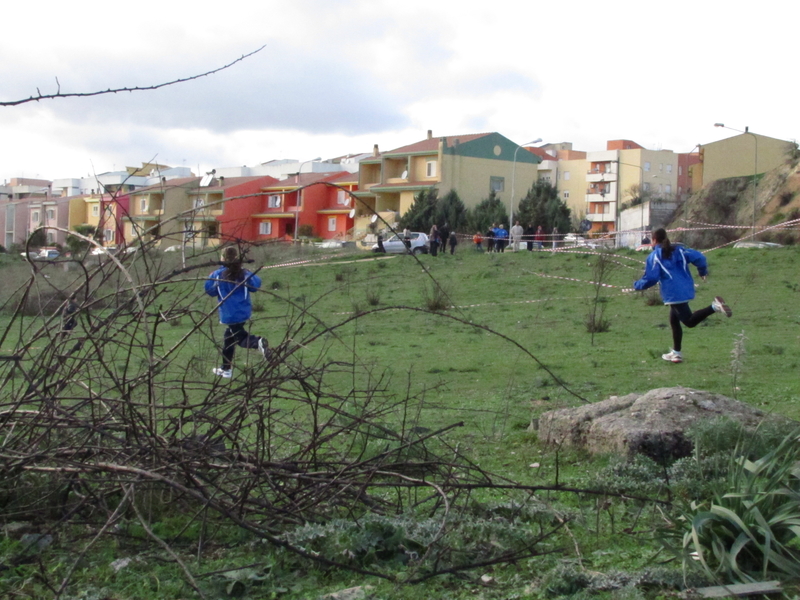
730 202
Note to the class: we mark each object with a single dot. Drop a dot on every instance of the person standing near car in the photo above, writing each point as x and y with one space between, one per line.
668 265
381 249
232 285
434 240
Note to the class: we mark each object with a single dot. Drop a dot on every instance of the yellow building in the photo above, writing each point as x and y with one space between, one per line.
743 155
472 165
162 211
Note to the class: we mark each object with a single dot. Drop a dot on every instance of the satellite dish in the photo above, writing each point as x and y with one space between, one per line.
373 219
586 225
404 175
352 213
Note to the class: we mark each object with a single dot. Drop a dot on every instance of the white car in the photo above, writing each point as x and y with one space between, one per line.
396 245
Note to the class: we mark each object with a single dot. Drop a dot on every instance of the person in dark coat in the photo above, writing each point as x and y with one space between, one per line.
453 241
530 232
490 238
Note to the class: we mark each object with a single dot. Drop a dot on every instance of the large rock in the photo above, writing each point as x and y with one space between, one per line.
653 423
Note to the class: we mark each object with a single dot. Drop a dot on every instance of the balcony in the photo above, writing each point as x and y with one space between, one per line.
595 175
601 217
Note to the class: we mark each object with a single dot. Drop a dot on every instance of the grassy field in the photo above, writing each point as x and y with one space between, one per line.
512 343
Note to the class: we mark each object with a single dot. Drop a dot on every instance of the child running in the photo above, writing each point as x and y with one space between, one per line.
232 286
668 264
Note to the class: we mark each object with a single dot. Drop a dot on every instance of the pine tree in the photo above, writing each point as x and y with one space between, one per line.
488 211
542 206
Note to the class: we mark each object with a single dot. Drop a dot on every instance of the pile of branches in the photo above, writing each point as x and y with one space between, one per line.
102 421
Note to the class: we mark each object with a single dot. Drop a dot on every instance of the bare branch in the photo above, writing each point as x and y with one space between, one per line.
39 96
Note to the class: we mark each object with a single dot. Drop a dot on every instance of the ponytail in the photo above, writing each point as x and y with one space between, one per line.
232 261
660 237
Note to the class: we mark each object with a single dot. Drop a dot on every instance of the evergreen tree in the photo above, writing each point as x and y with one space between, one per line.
421 214
542 206
451 210
488 211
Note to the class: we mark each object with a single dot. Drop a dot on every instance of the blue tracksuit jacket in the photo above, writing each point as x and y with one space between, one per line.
677 285
234 297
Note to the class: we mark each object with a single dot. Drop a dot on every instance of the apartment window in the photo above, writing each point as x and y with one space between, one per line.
199 202
143 205
647 167
668 188
497 184
35 216
680 170
342 198
274 201
331 223
566 195
51 214
646 186
430 168
566 175
51 237
265 228
669 168
95 210
108 235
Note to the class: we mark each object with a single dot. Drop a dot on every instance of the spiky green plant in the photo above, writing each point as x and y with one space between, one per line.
751 531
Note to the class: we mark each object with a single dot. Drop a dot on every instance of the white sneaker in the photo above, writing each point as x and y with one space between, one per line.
673 356
719 306
263 347
225 373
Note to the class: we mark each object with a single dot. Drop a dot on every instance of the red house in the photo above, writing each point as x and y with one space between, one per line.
319 201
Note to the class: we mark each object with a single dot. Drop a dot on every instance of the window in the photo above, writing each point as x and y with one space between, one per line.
497 184
265 228
566 195
566 175
108 235
35 216
669 168
143 205
668 188
430 168
95 210
660 166
647 167
680 170
331 223
51 237
646 186
274 201
342 198
51 214
199 202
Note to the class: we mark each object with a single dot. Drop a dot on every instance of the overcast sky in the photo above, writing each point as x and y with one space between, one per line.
337 76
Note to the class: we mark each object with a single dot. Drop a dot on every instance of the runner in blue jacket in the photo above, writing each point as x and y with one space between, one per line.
668 265
232 285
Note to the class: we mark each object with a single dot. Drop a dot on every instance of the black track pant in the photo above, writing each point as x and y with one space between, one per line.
681 313
236 334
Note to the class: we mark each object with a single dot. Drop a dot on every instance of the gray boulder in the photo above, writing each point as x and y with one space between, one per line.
653 423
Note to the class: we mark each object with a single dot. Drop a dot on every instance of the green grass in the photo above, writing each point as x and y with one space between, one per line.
489 361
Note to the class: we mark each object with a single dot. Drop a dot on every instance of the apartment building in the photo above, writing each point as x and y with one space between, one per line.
473 165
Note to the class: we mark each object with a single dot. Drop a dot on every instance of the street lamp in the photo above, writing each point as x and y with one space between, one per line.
755 169
299 196
513 178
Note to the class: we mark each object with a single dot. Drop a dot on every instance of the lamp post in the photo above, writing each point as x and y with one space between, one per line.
755 169
299 192
513 180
